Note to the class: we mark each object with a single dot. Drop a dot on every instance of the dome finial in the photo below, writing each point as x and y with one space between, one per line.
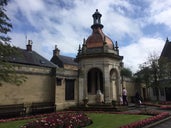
167 40
97 20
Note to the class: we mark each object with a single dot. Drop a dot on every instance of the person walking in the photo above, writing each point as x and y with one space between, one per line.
138 99
124 96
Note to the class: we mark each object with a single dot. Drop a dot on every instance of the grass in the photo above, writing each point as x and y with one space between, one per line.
14 124
100 120
113 120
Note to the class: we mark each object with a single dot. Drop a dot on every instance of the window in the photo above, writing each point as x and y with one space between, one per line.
58 81
162 91
69 89
154 91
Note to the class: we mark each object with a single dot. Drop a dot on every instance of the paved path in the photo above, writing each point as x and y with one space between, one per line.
165 124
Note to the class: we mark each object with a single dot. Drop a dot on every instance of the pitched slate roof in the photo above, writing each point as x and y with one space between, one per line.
166 52
60 60
30 58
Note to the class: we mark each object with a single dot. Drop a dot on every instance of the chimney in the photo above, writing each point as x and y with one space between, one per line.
29 45
56 51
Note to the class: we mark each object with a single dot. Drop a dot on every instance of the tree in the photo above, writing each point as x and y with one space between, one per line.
142 77
5 25
153 73
8 72
125 72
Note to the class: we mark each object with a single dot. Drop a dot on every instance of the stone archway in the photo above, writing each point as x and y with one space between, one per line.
94 83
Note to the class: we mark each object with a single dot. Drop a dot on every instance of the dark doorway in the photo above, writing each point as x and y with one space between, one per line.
144 94
69 89
94 81
168 94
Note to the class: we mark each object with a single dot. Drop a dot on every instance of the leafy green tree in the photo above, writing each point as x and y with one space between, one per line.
142 76
125 72
7 70
154 73
5 25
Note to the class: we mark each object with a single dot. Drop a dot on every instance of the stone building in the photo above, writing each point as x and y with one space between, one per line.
164 89
39 85
96 68
99 65
66 81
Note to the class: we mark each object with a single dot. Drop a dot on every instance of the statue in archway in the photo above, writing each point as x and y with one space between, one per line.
99 97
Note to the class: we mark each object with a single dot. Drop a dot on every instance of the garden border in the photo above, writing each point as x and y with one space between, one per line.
157 122
166 117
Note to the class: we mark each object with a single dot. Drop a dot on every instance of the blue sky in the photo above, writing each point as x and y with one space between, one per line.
140 26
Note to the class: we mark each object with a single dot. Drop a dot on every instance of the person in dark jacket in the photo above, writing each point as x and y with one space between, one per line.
138 98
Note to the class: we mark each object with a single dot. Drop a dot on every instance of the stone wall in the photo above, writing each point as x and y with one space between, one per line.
131 89
64 74
38 87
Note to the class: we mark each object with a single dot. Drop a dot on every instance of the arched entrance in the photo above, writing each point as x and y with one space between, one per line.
94 81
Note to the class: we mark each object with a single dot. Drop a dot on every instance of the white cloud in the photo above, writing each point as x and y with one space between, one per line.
67 27
163 17
66 24
160 12
138 52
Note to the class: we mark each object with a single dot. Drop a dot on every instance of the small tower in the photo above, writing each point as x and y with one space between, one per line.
56 51
29 45
97 20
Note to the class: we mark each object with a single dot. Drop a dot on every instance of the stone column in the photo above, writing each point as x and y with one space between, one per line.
80 89
118 85
82 85
107 97
85 85
98 81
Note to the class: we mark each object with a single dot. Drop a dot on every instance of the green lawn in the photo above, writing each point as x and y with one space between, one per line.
113 120
14 124
100 120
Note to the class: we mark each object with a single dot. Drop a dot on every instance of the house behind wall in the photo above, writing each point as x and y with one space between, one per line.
165 89
66 80
39 85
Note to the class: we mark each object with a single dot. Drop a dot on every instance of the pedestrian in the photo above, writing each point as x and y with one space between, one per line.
138 99
124 96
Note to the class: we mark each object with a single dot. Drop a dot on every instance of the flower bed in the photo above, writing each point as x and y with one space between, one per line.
142 123
24 118
151 104
168 107
61 120
69 119
165 102
162 105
